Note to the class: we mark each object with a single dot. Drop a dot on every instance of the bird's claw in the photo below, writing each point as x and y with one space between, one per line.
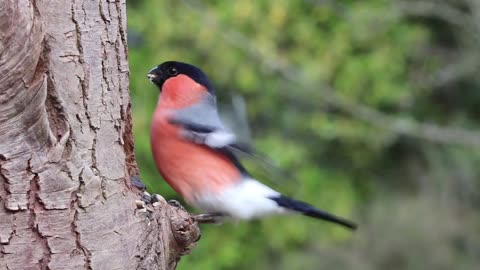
137 182
176 204
156 198
149 200
142 206
146 197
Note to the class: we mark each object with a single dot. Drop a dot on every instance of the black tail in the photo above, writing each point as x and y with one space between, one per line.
309 210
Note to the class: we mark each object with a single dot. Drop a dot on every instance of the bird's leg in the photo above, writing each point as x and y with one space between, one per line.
146 197
137 182
146 201
209 218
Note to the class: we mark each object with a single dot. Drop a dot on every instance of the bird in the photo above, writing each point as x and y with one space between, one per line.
198 156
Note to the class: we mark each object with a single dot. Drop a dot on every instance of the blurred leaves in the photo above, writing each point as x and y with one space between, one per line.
370 106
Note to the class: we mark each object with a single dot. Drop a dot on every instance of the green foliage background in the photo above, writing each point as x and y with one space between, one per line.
342 95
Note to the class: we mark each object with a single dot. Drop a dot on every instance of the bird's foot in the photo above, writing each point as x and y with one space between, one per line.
144 204
148 199
148 203
156 198
209 218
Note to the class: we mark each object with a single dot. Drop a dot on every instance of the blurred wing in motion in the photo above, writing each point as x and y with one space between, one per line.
234 117
201 124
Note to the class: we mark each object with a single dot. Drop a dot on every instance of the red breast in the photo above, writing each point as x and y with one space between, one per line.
190 169
180 92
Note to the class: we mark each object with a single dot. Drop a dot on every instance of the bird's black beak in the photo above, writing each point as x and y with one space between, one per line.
156 77
151 77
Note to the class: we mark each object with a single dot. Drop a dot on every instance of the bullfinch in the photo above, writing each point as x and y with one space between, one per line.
198 156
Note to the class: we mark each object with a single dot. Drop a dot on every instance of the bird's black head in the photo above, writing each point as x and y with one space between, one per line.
169 69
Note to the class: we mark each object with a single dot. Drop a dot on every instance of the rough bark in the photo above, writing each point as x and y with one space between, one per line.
66 146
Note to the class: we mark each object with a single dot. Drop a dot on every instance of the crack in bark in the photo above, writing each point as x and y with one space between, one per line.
84 84
102 13
36 206
87 255
75 206
122 32
104 74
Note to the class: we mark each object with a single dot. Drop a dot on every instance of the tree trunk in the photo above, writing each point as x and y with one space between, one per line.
66 145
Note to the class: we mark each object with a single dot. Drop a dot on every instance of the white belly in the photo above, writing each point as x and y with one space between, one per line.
246 200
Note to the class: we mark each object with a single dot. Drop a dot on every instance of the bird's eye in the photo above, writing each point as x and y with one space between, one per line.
172 71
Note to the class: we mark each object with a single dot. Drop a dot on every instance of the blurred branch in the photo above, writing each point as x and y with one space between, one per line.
468 66
272 63
465 20
464 15
441 10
